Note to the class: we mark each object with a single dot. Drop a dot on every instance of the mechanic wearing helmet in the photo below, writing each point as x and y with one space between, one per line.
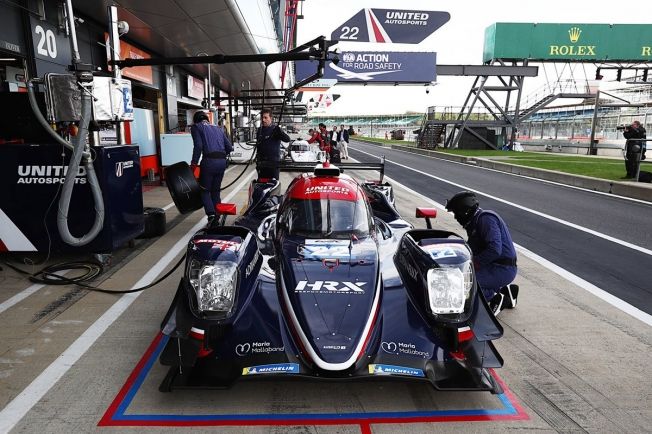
494 255
210 142
268 140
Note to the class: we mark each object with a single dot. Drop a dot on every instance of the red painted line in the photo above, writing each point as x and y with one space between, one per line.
106 419
364 423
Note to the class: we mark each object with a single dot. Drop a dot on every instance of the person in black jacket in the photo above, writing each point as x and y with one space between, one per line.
633 148
268 141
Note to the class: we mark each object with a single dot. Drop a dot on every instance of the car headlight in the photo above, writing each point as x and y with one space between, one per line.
447 291
214 285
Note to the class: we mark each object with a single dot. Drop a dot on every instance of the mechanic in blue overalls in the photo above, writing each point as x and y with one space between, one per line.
268 141
494 255
211 143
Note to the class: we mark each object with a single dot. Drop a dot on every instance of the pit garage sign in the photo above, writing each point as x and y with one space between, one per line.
376 67
390 26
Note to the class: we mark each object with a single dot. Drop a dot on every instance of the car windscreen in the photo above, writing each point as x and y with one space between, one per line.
327 217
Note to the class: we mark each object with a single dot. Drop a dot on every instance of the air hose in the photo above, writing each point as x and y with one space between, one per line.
78 147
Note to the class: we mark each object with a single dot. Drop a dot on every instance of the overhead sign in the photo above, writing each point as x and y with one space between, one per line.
376 67
578 42
128 51
195 87
390 25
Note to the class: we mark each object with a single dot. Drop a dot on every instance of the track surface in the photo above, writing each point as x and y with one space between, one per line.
618 269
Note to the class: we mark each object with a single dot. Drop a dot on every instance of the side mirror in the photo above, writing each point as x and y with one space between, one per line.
226 209
426 213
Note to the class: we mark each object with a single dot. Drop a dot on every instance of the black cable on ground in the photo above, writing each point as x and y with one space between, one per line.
93 269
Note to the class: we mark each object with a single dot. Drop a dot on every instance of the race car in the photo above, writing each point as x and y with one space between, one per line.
242 152
300 151
328 281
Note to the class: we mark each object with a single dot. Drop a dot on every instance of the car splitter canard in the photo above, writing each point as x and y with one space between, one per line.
327 281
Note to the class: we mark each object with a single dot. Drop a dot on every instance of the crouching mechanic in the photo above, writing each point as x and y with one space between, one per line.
494 255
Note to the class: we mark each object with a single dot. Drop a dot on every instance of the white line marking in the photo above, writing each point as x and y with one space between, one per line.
545 181
538 213
600 293
15 410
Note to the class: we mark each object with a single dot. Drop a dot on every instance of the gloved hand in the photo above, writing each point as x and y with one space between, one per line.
193 169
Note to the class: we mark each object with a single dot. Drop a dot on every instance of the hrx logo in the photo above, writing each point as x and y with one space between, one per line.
330 287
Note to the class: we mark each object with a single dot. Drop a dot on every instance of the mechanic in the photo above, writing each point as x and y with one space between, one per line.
494 255
268 139
633 148
211 143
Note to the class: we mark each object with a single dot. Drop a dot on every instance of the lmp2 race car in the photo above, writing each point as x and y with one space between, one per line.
327 281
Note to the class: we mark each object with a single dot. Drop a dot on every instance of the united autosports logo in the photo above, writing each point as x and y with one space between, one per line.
219 244
327 189
403 348
330 287
120 166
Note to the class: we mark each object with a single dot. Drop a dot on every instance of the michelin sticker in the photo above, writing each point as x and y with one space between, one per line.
280 368
395 370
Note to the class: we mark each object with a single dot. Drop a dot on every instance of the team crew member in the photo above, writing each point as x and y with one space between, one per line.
211 143
494 255
269 139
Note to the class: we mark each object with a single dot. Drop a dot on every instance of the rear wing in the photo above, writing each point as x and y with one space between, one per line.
286 166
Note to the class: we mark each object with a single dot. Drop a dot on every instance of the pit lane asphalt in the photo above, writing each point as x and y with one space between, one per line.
575 363
618 269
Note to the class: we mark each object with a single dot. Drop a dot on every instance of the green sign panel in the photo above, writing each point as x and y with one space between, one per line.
579 42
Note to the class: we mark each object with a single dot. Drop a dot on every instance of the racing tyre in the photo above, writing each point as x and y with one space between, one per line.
183 187
644 176
154 222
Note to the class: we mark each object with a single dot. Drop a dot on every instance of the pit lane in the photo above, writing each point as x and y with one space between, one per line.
558 374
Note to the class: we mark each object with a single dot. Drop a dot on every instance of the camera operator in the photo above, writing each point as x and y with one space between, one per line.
633 147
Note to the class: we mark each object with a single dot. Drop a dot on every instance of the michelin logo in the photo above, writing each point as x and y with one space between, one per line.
280 368
395 370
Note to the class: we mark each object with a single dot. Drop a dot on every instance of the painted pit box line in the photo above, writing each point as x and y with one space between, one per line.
116 414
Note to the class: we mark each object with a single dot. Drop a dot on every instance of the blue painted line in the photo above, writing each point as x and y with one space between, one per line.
507 410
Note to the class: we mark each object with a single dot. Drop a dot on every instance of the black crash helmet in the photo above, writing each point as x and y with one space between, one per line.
463 206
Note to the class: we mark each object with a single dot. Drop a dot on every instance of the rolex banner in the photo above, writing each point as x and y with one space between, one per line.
390 26
576 42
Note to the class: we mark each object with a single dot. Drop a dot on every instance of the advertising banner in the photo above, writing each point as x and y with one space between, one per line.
578 42
376 67
390 25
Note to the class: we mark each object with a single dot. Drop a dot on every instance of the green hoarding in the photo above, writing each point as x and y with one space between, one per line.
579 42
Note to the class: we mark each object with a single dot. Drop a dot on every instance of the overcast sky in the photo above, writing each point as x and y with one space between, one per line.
460 41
